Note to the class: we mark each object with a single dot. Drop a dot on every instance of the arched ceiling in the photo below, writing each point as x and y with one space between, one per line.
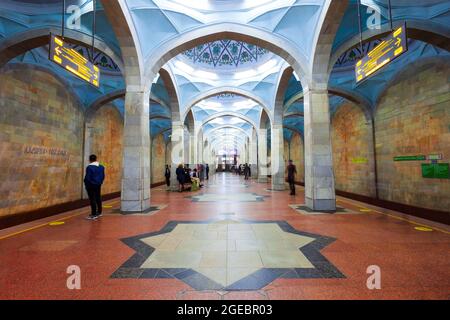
227 63
226 103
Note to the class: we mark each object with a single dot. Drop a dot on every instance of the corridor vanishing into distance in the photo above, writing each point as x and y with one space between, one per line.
225 149
232 239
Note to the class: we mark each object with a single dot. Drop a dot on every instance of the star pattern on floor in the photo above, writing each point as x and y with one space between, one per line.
228 197
227 254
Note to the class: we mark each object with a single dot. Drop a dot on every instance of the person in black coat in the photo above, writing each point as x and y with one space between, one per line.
291 172
167 175
180 177
93 180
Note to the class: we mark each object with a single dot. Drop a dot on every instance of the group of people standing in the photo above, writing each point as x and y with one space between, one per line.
186 176
291 172
244 170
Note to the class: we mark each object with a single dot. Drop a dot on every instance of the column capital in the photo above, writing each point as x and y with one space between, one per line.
177 125
317 90
277 126
137 90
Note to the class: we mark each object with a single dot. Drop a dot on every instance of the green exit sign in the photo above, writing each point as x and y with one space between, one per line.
435 170
410 158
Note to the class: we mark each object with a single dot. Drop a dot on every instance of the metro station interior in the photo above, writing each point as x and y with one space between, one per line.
355 93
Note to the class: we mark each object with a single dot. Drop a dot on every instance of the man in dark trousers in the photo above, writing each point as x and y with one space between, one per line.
207 172
167 175
291 172
93 180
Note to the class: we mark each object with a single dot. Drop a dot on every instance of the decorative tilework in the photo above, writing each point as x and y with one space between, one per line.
161 254
150 211
303 209
233 197
225 53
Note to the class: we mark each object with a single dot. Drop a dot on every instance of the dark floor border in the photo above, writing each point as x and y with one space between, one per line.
157 184
424 213
28 216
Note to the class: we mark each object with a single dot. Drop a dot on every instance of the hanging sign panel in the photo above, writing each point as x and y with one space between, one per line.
387 51
72 61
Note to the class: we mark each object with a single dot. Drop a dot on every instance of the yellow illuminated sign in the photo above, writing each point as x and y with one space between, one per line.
387 51
72 61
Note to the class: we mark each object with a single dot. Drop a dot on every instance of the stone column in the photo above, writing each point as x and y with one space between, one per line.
192 150
262 156
177 142
136 156
213 161
88 135
199 148
277 157
254 155
319 175
247 150
186 144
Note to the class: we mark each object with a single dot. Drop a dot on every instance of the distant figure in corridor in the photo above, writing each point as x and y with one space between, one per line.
201 172
93 180
246 171
167 175
180 177
291 172
207 171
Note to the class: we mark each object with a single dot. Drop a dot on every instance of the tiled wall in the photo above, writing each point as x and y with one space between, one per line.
41 132
351 136
107 142
297 156
158 160
413 118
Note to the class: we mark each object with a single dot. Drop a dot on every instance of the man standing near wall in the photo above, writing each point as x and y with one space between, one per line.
291 172
93 180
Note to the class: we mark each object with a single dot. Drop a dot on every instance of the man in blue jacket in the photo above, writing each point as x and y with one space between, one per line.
95 175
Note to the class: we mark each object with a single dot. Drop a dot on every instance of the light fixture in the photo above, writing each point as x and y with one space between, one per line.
209 104
244 104
245 74
206 74
267 66
184 67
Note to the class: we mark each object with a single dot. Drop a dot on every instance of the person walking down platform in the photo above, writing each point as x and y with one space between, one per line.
201 172
180 177
291 172
207 171
167 175
246 171
93 180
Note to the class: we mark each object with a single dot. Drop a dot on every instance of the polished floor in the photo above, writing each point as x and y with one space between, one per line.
233 239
